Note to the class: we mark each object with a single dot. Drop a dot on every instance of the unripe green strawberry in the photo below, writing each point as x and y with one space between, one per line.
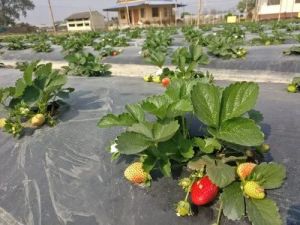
136 174
148 78
2 122
245 169
292 88
183 208
156 79
264 148
254 190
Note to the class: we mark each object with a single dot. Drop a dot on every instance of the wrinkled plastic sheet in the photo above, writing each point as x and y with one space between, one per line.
64 176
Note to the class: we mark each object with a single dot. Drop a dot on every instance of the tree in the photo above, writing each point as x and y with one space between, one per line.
250 4
10 10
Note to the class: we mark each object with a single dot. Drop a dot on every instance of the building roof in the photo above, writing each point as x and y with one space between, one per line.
144 2
82 15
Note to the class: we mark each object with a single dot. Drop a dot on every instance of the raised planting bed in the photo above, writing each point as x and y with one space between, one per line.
64 175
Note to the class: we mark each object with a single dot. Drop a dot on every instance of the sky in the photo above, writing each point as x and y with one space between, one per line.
63 8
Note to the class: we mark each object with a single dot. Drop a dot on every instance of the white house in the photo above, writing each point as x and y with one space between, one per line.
85 21
270 9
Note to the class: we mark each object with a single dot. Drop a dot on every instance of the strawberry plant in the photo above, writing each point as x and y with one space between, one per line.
158 59
265 39
42 47
225 157
134 33
295 50
17 45
86 64
194 36
109 51
225 47
254 27
58 40
72 45
35 99
187 61
110 39
233 31
157 41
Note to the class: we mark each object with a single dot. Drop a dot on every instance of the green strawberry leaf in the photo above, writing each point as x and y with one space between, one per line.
144 128
206 99
263 212
163 132
241 131
207 145
136 111
196 164
220 173
28 74
31 94
130 143
155 132
20 87
233 201
269 175
111 120
177 90
157 105
238 98
179 108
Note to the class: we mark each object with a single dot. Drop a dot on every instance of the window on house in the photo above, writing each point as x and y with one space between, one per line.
71 25
166 12
155 12
87 24
122 14
80 25
273 2
142 13
297 1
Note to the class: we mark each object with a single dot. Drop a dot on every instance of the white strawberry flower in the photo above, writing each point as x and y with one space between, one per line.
113 148
159 72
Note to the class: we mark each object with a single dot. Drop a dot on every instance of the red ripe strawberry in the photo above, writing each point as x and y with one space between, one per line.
203 191
166 81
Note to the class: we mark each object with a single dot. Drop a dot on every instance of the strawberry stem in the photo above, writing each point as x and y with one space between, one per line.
220 213
184 127
233 158
189 190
